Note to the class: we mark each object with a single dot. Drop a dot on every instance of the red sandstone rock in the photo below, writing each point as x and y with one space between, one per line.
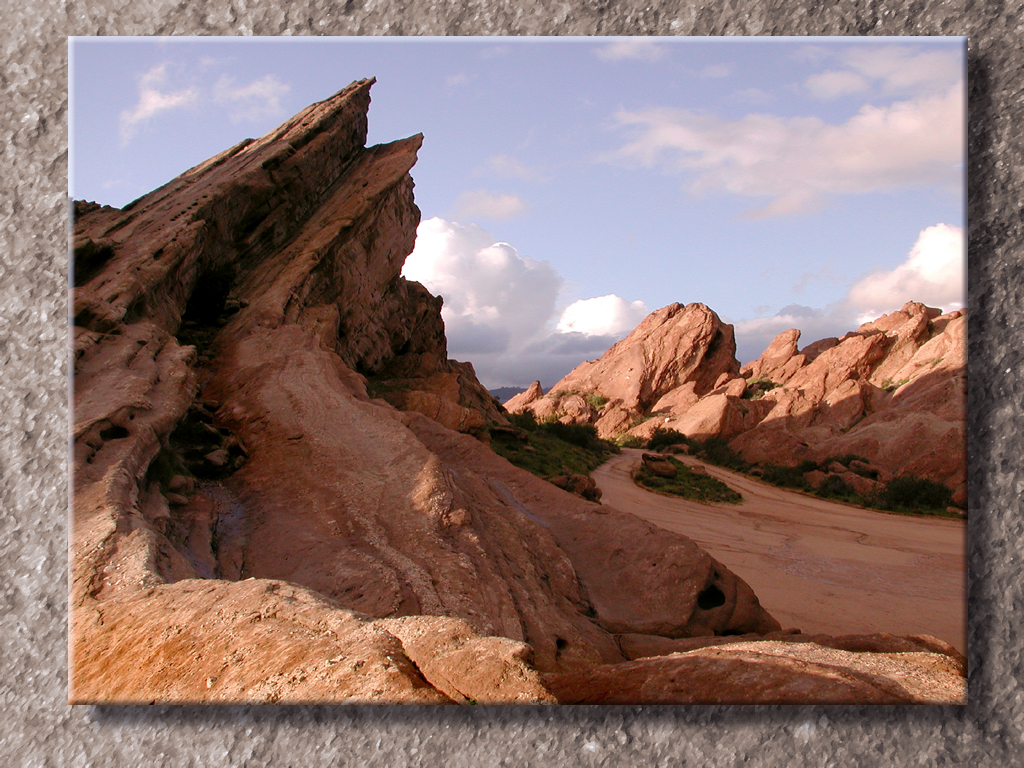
518 402
253 309
673 347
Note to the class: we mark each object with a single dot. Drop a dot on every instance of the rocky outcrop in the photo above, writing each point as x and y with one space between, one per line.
892 392
794 670
517 403
686 351
255 519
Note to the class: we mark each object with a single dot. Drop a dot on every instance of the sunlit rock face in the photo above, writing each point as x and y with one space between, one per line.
893 391
280 488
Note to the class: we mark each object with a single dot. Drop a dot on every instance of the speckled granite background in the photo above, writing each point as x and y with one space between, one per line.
38 728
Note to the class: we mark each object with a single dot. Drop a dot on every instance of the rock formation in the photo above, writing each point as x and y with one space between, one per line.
892 392
677 352
279 490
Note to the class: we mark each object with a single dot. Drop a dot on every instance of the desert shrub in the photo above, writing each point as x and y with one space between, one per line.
629 441
665 437
807 465
834 487
687 484
846 459
596 401
546 452
786 477
583 435
757 387
915 493
717 451
526 421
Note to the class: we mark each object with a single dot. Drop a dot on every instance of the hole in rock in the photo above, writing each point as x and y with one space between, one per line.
204 313
113 433
561 643
710 597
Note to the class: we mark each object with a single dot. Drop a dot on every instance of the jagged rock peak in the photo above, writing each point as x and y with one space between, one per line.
516 403
674 349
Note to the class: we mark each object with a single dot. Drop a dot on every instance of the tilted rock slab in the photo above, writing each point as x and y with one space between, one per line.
248 501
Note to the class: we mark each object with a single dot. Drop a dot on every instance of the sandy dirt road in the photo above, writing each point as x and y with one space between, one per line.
816 565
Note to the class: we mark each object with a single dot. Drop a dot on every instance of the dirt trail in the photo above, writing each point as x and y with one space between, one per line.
814 564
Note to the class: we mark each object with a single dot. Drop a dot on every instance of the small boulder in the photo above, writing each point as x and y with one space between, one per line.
176 499
181 484
659 465
218 458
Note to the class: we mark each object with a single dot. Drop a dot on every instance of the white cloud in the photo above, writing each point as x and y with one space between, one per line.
892 69
479 203
257 100
934 274
631 48
602 316
494 299
455 80
152 101
900 69
509 167
798 162
833 84
500 307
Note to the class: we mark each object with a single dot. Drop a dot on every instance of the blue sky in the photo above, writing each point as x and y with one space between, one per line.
569 186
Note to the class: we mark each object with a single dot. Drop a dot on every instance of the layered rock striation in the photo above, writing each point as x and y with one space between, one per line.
281 493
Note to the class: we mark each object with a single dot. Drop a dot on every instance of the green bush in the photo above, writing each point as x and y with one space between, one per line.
583 435
786 477
526 421
687 484
665 437
915 493
596 401
834 487
716 451
757 387
807 465
846 459
629 441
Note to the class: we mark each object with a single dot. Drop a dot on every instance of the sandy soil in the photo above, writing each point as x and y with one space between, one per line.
816 565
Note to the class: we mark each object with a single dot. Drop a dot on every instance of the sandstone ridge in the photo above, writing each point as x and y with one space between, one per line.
282 489
893 391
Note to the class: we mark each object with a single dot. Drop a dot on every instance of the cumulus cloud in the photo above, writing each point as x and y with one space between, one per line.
479 203
798 162
933 273
257 100
500 307
602 316
152 101
632 48
494 299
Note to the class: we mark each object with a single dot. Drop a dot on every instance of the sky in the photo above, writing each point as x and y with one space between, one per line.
570 186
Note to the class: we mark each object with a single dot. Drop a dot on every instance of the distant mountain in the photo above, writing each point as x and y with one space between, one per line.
504 393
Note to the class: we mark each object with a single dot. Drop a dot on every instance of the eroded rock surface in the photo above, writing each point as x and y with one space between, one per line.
280 494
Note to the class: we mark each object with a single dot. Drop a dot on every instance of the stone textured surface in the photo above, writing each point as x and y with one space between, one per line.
38 728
